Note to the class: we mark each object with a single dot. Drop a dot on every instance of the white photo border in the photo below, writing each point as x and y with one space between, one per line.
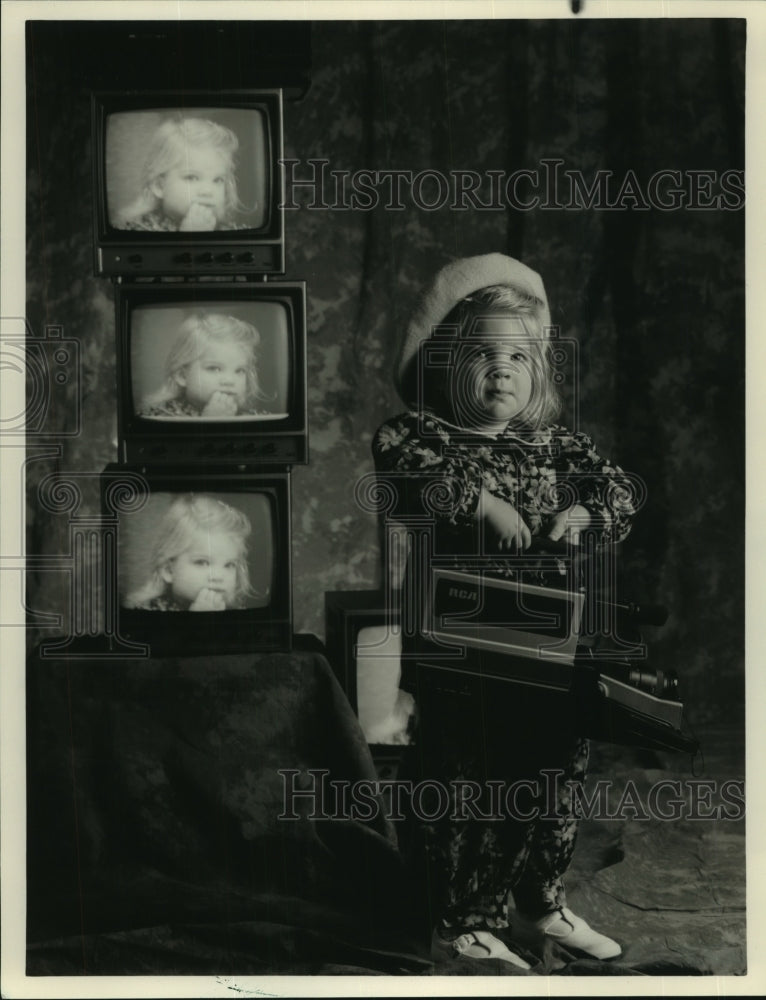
12 676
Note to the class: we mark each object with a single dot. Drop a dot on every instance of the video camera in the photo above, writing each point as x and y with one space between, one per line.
475 623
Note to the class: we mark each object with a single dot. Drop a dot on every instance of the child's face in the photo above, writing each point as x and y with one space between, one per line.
209 563
199 180
494 377
221 368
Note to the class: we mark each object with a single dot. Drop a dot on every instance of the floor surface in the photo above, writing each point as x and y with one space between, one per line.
670 890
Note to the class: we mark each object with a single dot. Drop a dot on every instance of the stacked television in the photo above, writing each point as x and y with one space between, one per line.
211 366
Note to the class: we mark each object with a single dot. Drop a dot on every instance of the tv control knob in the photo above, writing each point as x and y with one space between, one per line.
206 258
226 258
184 258
247 258
135 258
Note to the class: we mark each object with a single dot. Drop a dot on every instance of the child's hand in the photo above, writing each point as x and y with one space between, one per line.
568 524
220 404
208 600
199 218
504 521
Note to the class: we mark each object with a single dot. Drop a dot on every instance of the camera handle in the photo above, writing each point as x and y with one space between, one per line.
628 611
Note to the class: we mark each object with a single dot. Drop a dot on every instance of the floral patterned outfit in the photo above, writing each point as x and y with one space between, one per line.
538 472
157 222
181 408
493 731
166 602
163 603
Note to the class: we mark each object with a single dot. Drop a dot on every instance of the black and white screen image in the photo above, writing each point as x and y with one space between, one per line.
201 551
222 361
187 169
385 711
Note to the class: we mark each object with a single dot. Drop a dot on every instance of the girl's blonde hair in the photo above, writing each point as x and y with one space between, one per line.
186 518
195 333
464 324
167 149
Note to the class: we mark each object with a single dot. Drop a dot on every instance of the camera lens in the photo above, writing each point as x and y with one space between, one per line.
660 683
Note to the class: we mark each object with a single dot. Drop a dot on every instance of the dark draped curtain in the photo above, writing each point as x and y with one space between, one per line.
654 297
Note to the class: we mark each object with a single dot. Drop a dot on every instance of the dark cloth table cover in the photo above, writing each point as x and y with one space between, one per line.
154 837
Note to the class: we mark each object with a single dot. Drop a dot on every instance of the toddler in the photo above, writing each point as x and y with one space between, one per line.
200 559
210 370
480 457
188 182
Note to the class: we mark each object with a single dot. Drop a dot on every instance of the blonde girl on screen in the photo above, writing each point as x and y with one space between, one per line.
199 561
188 180
210 370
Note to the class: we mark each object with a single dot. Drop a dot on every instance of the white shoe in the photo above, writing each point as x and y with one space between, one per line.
482 944
571 931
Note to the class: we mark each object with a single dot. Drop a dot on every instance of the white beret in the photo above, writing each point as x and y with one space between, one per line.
455 282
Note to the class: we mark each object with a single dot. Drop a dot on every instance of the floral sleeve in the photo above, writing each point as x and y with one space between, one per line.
609 494
169 408
429 475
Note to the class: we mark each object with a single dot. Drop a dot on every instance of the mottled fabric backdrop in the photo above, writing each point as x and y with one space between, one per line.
654 297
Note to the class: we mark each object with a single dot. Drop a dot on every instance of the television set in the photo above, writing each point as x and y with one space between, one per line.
510 631
202 561
363 646
212 373
188 183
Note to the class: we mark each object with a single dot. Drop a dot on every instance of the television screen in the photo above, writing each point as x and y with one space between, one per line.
202 561
187 169
240 368
363 645
188 183
212 373
197 552
386 713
